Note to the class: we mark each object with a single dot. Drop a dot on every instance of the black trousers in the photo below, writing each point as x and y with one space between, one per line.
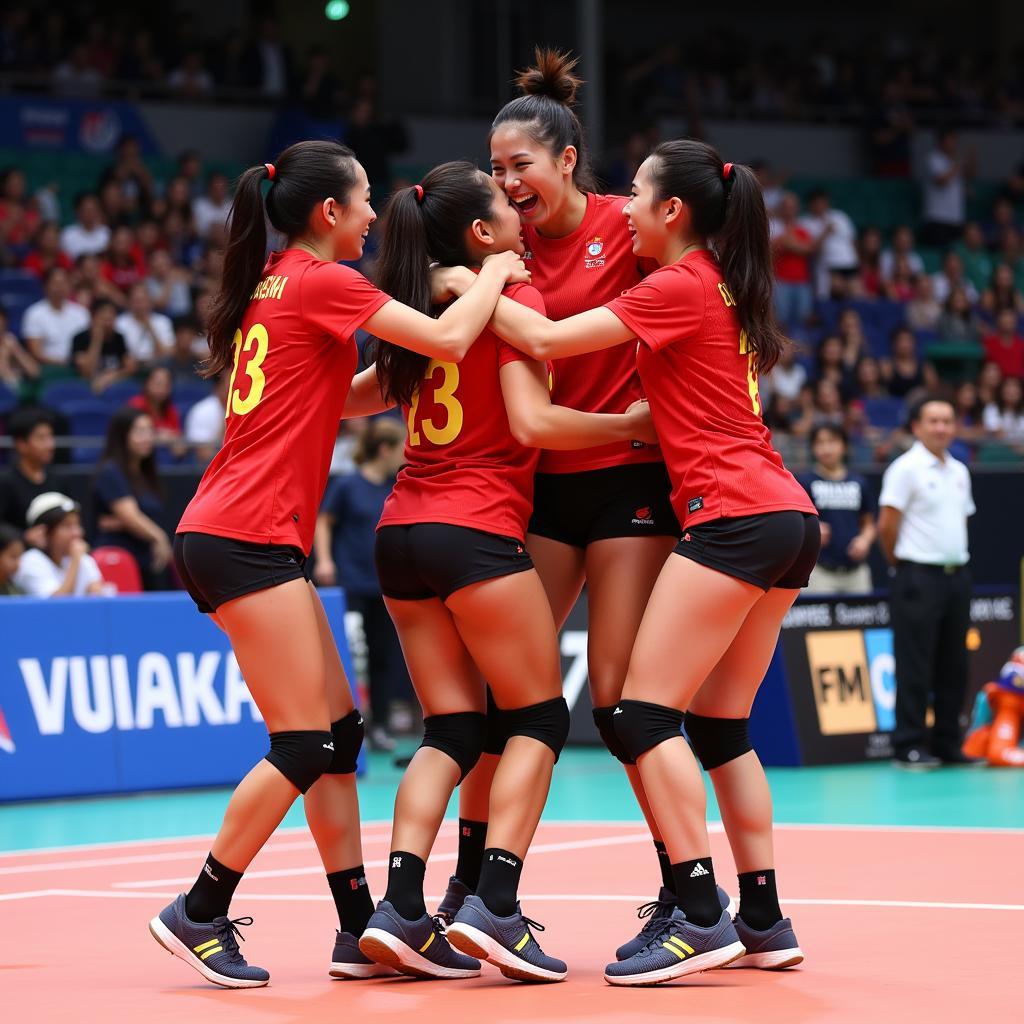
931 611
388 676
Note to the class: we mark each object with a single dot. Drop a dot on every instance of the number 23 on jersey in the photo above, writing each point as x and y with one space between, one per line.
256 343
437 429
745 350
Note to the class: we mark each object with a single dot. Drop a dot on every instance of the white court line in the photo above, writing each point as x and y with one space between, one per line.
530 897
577 844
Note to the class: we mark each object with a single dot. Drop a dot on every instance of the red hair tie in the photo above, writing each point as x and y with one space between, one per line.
726 172
418 189
271 171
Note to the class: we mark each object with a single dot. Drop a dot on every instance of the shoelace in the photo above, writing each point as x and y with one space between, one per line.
651 910
226 929
439 924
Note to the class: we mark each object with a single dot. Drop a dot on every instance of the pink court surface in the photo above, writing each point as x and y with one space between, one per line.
900 924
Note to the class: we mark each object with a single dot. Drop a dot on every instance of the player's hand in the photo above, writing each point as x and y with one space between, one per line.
641 425
511 264
826 534
325 574
447 283
858 548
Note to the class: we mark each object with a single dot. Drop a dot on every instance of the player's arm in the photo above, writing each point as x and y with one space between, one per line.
449 336
535 422
889 520
364 397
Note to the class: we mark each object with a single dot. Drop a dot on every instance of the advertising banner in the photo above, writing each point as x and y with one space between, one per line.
60 125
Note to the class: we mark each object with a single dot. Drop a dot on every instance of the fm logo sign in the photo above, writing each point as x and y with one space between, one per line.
841 682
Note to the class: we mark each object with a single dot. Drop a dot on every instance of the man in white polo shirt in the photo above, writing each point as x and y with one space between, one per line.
50 325
922 527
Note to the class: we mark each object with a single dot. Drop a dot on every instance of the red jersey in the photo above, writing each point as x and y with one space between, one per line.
169 419
462 463
573 274
700 378
294 359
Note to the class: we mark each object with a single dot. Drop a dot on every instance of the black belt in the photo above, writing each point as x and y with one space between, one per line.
948 570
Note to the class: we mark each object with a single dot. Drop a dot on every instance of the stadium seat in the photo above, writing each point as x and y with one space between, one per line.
87 417
18 290
186 395
8 399
119 567
60 393
118 394
886 413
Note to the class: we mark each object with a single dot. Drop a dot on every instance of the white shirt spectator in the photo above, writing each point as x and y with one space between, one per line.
839 250
1009 425
887 263
207 214
146 340
56 328
77 241
943 204
787 381
204 423
38 576
942 286
935 498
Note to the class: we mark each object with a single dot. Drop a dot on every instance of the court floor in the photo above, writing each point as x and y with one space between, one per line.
906 891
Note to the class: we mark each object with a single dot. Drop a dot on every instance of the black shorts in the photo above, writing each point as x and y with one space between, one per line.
773 549
422 560
216 570
622 501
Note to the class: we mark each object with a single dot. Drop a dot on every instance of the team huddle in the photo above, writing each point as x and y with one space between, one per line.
578 374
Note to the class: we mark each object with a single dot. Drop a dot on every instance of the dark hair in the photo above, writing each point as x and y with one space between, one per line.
101 302
115 451
305 174
917 408
81 197
545 110
9 535
829 428
731 214
379 433
187 320
24 421
55 269
414 233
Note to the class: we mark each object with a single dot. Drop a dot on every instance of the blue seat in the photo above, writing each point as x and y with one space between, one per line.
18 290
60 393
119 393
886 413
87 417
8 399
186 395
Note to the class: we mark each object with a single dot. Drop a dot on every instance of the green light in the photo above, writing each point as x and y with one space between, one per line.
336 10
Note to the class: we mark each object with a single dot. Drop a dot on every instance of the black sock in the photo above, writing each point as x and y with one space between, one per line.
472 836
696 892
352 898
211 895
405 884
759 899
665 863
499 881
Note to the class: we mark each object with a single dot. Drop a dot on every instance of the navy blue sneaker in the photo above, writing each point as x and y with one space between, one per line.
454 897
417 948
349 962
210 948
657 913
679 949
773 949
506 942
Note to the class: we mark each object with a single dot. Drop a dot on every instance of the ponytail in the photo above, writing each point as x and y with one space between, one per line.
303 176
728 210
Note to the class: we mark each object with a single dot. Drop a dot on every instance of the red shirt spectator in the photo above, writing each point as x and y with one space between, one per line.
1005 348
125 264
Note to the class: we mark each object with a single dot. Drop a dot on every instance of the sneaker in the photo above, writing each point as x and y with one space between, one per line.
211 948
380 739
916 760
417 948
349 962
657 913
679 949
454 897
957 758
506 942
770 950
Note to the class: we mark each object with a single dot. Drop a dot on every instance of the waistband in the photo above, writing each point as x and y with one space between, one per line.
949 569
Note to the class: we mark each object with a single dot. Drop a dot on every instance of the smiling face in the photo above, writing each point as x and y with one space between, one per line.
502 231
348 225
538 182
651 221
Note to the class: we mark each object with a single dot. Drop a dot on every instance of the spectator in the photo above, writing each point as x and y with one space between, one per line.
891 132
190 169
904 372
867 379
128 496
924 506
835 237
61 566
850 328
90 284
902 245
214 207
1004 222
376 141
951 277
1005 347
132 177
830 365
148 335
902 281
76 76
168 285
155 401
923 310
112 206
319 91
204 424
978 263
268 64
945 203
99 352
869 277
344 555
31 431
190 80
12 547
183 361
787 377
1004 418
50 325
825 407
847 511
19 216
969 411
792 247
45 251
17 367
1002 292
989 378
125 264
182 243
210 272
958 322
89 235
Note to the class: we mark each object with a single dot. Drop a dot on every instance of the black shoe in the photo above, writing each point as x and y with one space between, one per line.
916 760
958 757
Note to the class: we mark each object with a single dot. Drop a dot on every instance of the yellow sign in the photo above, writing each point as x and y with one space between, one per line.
842 682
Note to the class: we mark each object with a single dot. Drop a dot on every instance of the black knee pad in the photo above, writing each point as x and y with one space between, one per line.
459 735
717 741
641 725
348 740
547 722
301 757
605 726
495 736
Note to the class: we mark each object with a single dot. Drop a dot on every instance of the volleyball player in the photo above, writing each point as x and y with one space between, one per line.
461 586
751 538
285 328
601 515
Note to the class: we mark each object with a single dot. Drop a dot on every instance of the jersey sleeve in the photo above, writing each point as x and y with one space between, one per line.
666 307
897 486
337 299
531 298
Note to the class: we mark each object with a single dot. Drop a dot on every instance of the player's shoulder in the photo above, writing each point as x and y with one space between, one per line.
607 212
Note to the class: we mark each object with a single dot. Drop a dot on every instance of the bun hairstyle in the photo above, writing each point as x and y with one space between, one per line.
545 112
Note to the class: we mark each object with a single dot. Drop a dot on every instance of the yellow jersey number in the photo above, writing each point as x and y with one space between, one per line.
444 395
745 350
253 369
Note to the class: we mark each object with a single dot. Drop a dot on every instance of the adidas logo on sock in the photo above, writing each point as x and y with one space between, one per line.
699 870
